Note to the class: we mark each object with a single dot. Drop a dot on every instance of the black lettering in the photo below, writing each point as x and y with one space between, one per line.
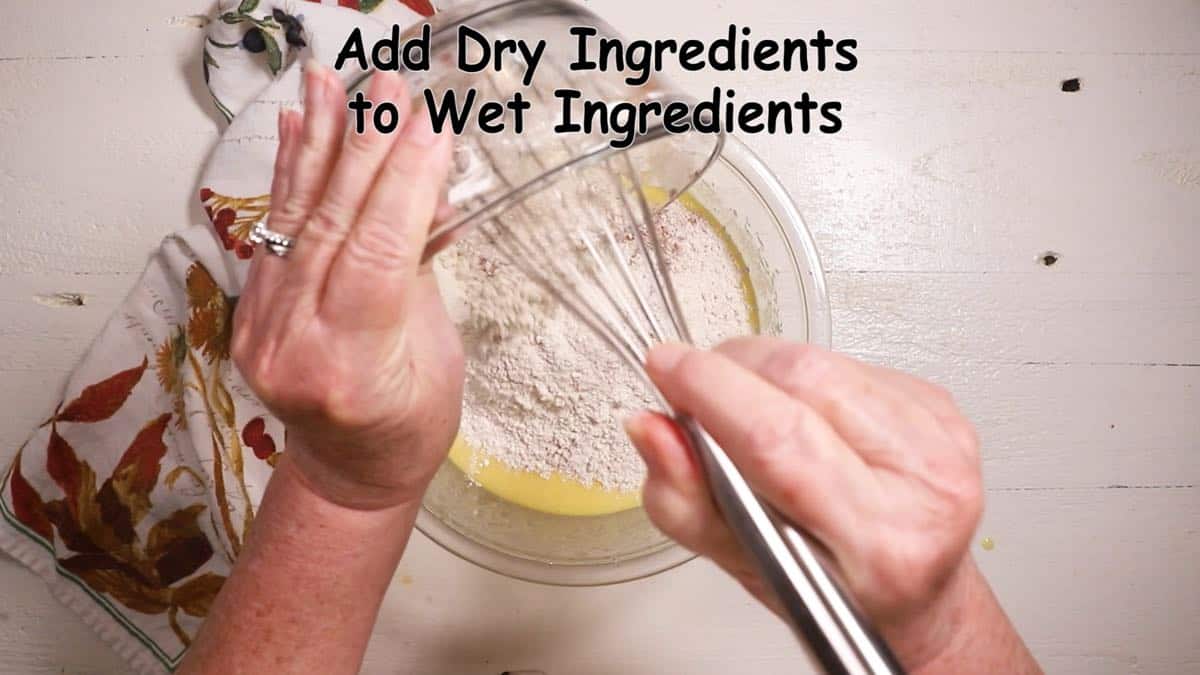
386 108
531 57
775 111
763 53
690 53
360 105
821 43
386 53
639 56
845 49
747 116
806 106
745 51
421 47
612 55
730 112
465 64
352 49
565 124
519 105
706 116
723 46
582 61
489 112
449 108
676 117
790 47
624 123
829 112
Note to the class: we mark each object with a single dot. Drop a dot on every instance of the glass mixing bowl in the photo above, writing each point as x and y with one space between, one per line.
785 273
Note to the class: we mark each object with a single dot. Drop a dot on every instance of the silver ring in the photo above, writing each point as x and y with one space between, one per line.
279 244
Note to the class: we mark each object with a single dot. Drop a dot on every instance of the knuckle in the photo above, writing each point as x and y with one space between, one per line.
906 570
362 143
314 145
965 492
326 220
341 409
965 434
292 211
773 439
339 403
692 369
655 502
375 245
265 385
240 351
802 366
914 573
399 166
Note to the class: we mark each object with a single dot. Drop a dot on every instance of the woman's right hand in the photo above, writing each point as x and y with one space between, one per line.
880 466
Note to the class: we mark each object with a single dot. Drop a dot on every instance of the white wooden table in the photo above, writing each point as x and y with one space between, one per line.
961 164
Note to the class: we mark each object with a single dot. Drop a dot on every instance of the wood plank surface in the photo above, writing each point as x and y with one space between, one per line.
961 165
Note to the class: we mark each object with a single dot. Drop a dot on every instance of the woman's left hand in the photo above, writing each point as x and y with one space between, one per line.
346 339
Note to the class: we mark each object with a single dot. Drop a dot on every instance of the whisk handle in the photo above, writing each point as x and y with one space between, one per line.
821 614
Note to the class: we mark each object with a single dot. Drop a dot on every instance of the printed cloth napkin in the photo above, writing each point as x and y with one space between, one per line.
132 499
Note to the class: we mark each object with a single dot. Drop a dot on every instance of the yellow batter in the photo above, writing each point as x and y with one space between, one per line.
565 496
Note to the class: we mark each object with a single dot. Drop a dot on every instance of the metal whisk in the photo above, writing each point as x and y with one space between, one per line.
589 239
575 218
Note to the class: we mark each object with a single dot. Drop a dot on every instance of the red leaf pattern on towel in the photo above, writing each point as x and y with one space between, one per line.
27 503
99 401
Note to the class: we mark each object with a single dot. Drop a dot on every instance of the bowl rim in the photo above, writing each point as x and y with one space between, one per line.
443 24
744 162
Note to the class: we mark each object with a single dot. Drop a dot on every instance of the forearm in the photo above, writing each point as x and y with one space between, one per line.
969 633
306 588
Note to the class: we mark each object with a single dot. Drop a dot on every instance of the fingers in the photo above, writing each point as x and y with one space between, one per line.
677 500
382 253
320 144
675 496
354 172
889 418
314 152
290 123
758 353
788 452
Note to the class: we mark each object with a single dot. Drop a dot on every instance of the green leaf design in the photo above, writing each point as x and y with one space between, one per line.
274 56
247 6
369 5
231 18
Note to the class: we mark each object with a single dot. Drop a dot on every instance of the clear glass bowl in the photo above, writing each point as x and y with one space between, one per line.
467 520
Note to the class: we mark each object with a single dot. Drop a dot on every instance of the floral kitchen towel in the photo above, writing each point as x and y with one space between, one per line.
132 498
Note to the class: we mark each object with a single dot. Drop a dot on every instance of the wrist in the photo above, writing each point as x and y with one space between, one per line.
307 481
352 483
944 625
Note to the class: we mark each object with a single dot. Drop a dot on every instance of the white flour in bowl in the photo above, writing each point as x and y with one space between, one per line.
546 395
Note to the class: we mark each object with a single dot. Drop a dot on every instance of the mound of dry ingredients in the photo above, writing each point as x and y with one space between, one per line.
546 395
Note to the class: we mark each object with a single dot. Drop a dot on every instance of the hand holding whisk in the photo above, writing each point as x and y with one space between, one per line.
591 241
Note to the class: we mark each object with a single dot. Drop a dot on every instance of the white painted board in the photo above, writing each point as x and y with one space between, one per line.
960 165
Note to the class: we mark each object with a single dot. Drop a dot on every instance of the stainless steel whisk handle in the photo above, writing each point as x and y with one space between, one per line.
839 638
